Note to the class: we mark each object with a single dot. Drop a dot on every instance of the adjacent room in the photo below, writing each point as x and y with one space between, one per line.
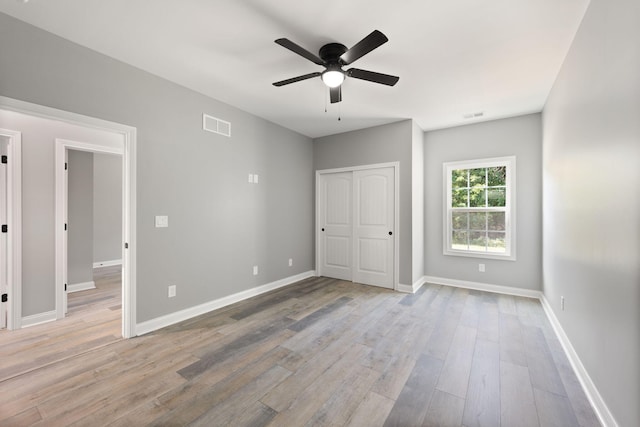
338 213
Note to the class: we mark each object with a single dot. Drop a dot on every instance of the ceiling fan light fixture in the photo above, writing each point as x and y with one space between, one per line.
333 78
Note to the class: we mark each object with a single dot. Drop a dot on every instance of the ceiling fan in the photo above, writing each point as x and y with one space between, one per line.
333 57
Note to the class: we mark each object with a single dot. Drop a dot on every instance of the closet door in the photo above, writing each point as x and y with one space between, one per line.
336 225
373 239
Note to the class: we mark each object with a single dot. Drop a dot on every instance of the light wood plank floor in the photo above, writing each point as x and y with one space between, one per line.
321 352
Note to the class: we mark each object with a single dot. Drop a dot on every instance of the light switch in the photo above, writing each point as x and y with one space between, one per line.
162 221
255 178
251 178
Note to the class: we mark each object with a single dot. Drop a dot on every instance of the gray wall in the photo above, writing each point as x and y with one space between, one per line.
219 225
380 144
591 205
520 137
107 207
38 201
80 217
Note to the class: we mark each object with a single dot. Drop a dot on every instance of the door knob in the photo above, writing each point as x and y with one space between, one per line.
323 229
390 233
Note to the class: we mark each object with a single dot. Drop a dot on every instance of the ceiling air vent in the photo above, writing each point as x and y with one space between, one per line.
473 115
215 125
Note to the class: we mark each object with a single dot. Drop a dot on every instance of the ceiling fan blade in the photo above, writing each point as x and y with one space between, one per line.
300 51
296 79
336 94
384 79
364 46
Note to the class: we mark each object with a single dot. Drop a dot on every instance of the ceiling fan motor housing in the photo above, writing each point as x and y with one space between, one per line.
330 53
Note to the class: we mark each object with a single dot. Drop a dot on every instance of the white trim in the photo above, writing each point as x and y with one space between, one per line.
182 315
412 289
407 289
499 289
62 147
111 263
597 402
129 183
510 207
83 286
396 225
14 221
38 319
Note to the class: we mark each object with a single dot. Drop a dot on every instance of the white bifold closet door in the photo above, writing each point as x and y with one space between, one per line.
356 216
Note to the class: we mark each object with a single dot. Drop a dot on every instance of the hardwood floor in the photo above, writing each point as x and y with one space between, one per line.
321 352
93 320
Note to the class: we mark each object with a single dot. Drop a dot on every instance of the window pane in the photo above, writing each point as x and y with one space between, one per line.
477 221
497 197
496 242
478 177
459 220
459 198
459 178
496 221
477 198
497 176
459 240
478 241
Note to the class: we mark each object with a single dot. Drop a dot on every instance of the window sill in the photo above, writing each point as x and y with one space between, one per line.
483 255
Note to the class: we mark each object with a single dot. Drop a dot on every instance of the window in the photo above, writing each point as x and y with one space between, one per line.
480 208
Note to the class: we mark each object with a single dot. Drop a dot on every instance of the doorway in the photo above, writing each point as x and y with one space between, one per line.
94 233
72 244
126 137
356 219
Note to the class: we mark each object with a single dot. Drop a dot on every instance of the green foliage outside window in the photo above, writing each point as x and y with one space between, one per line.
480 188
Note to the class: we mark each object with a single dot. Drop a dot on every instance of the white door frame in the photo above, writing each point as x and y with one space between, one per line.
14 222
129 138
62 215
396 220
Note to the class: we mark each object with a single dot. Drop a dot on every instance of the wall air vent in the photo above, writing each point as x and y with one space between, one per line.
215 125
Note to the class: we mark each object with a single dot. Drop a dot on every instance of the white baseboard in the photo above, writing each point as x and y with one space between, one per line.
111 263
84 286
170 319
37 319
508 290
412 289
597 402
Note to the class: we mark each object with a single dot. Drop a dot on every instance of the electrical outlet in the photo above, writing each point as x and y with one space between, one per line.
255 178
562 303
290 262
250 178
481 268
255 270
172 291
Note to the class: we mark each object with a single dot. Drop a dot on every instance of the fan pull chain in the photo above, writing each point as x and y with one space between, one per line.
339 111
326 96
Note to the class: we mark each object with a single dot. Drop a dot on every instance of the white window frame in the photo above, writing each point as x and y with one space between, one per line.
509 209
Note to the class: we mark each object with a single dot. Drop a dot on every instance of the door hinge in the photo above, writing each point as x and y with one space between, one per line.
5 159
65 287
5 297
126 246
5 228
66 165
65 226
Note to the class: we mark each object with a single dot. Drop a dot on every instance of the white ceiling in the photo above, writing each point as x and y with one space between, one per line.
453 57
